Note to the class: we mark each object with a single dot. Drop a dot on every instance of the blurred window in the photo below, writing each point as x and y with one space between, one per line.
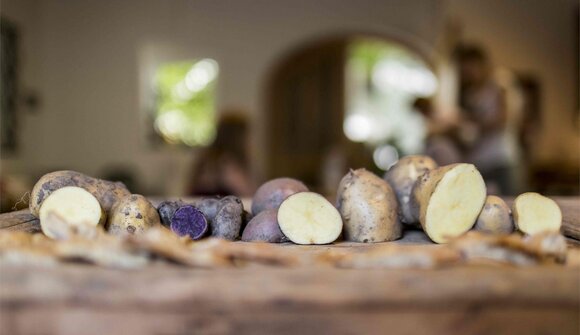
383 79
185 107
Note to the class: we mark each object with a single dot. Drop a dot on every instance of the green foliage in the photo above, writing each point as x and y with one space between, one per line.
185 113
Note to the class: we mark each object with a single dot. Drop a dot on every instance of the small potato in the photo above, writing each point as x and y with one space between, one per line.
271 194
106 192
402 177
227 222
495 217
534 213
264 228
368 206
132 215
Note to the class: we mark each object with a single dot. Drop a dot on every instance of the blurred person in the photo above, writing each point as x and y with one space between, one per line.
222 168
439 141
483 120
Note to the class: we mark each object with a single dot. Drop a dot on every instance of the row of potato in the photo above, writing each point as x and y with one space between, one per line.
445 202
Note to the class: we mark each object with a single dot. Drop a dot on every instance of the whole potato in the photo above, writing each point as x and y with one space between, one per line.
495 217
106 192
271 194
368 207
227 222
133 214
402 176
264 228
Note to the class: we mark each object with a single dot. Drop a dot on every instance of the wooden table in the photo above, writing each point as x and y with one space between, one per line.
169 299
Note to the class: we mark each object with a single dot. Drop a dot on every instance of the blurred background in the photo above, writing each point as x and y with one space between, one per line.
214 97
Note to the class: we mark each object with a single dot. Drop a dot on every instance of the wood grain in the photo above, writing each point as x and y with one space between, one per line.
257 300
168 299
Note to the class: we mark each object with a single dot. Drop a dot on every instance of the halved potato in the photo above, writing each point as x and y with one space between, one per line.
450 199
534 213
70 205
308 218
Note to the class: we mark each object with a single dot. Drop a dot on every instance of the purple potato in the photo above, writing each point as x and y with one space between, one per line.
208 206
189 221
271 194
166 210
227 222
264 228
225 216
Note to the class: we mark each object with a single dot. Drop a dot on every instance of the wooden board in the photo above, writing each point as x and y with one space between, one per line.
168 299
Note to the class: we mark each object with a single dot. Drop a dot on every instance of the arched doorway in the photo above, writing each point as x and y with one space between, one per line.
350 96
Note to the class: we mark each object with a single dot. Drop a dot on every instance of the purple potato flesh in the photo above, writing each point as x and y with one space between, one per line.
189 221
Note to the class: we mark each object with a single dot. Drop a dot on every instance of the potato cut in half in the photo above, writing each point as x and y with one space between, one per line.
534 213
308 218
73 205
450 199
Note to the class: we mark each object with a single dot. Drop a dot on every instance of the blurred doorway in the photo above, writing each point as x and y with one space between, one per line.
347 100
305 110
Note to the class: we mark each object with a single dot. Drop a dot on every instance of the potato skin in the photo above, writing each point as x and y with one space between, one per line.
368 207
227 222
264 228
167 209
106 192
495 217
402 177
132 215
271 194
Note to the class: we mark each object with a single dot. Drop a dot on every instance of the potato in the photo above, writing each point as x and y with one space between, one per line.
264 228
227 222
495 217
132 215
189 221
368 206
224 215
449 198
166 209
402 177
308 218
533 213
66 207
271 194
106 192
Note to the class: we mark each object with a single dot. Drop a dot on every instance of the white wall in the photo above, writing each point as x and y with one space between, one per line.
85 57
90 54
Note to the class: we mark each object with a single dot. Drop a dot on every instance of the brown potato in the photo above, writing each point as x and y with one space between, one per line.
402 177
106 192
271 194
368 207
133 214
495 217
